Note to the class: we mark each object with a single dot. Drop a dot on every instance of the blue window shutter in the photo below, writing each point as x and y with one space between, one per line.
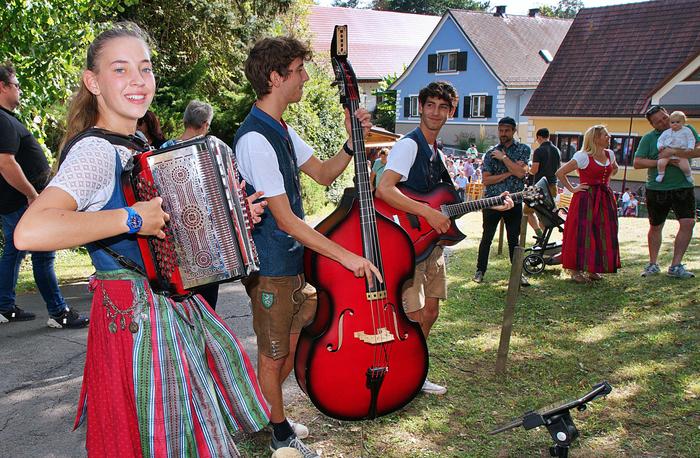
406 107
461 61
432 63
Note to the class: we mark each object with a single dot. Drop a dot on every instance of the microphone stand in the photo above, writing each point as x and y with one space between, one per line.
558 420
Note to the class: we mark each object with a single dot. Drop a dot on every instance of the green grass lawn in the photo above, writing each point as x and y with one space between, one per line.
642 335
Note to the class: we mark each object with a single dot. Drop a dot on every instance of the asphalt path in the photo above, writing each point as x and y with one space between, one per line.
41 371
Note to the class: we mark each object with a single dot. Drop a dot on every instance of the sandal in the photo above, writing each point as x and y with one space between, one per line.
594 276
578 277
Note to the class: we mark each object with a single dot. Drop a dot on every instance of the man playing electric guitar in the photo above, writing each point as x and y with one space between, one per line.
416 162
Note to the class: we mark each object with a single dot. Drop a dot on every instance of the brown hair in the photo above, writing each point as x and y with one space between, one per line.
82 112
6 69
441 90
272 54
150 126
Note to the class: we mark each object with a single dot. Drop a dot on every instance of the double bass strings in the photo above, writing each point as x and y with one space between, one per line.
371 235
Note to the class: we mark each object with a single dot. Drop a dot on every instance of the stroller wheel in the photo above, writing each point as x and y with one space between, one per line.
533 264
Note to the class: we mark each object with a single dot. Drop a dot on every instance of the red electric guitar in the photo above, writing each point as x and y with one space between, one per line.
445 199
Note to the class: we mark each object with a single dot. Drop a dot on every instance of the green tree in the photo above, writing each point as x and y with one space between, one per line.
346 4
385 113
565 9
318 118
435 7
200 49
46 41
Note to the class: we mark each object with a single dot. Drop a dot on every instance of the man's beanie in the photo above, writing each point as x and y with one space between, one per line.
508 121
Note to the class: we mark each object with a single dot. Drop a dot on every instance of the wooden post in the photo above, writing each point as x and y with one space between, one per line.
523 230
501 228
509 311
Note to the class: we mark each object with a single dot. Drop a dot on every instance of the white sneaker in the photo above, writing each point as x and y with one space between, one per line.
433 388
300 430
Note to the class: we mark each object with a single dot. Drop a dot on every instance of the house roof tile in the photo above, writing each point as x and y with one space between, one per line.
381 42
614 58
510 45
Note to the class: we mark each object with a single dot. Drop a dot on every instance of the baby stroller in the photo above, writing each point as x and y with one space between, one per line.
544 252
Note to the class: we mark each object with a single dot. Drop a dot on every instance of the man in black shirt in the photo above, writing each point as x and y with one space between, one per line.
24 173
546 160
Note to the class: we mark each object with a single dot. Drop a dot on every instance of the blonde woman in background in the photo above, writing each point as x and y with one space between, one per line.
590 234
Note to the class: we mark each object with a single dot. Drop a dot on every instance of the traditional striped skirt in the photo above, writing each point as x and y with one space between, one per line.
590 232
163 378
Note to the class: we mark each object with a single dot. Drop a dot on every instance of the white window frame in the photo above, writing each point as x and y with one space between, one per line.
447 52
481 105
414 104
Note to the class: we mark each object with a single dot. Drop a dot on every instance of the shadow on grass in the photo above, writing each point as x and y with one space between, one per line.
639 334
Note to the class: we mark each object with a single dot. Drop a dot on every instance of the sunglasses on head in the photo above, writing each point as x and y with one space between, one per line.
653 109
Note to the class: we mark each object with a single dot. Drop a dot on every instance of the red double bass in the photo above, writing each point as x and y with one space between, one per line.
361 357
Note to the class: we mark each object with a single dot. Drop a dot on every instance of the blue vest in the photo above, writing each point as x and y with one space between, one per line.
124 244
279 253
425 173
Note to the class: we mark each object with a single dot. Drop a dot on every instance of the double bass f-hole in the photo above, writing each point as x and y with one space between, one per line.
341 328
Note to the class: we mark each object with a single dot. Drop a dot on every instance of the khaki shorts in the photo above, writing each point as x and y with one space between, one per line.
281 307
528 210
429 280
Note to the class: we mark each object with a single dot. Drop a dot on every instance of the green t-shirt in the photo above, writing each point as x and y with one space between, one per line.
674 178
378 169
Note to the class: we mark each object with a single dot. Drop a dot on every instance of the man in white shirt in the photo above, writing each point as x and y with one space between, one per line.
270 155
416 162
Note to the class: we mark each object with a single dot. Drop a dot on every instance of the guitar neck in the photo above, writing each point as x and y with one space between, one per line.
462 208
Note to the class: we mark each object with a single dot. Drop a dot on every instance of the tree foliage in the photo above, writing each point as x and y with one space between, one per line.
200 47
346 3
385 113
46 41
318 118
434 7
565 9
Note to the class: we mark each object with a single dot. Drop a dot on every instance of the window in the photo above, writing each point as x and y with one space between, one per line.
447 62
414 107
410 107
624 148
478 106
568 144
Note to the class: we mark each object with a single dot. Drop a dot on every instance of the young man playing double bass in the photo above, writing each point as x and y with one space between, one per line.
270 155
416 162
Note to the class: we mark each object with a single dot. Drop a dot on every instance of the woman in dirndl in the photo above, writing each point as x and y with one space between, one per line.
162 378
590 247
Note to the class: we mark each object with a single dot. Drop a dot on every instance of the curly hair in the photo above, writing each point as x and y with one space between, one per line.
272 55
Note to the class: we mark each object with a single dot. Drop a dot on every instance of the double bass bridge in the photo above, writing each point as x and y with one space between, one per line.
382 336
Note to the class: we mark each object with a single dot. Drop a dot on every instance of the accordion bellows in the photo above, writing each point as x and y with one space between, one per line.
208 239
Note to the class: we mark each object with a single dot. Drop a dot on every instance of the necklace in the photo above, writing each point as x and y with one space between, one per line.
115 314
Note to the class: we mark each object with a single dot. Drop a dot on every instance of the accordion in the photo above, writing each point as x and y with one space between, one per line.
208 238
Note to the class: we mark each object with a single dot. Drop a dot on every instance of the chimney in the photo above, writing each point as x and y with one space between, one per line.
533 12
500 11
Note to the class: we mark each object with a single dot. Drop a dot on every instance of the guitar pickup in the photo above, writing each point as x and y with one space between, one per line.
413 221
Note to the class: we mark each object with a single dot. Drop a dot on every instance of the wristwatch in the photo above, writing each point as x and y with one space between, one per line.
133 220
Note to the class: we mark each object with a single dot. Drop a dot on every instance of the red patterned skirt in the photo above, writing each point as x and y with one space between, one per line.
163 378
590 232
